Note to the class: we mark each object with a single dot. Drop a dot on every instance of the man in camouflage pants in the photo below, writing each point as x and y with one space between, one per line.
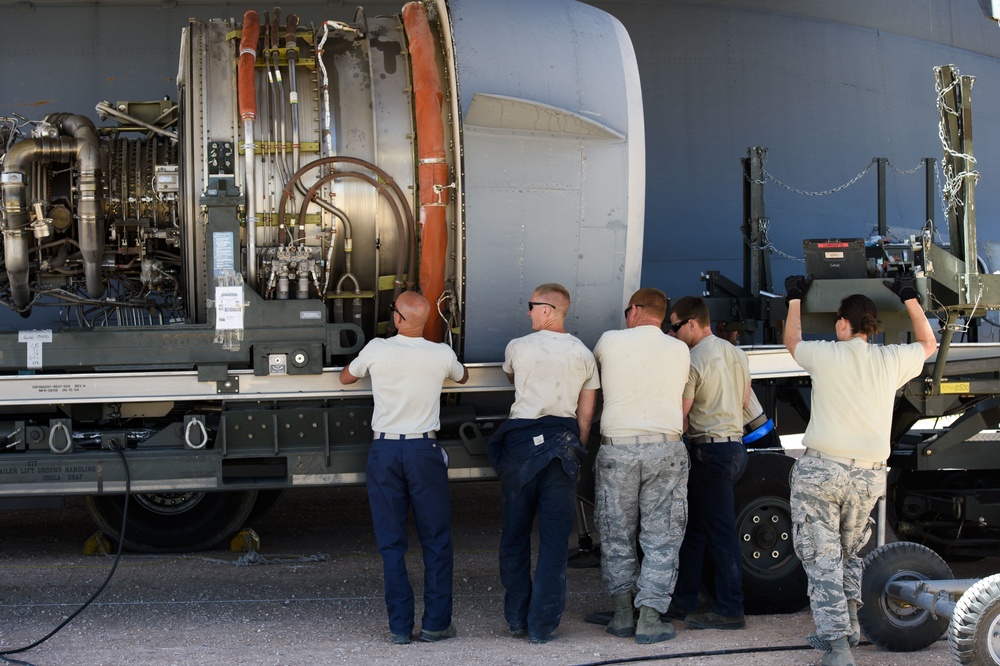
642 466
841 475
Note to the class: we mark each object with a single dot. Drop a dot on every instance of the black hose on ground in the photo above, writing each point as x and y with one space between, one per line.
114 566
704 653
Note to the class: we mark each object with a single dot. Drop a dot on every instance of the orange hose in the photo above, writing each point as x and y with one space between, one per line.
245 70
432 169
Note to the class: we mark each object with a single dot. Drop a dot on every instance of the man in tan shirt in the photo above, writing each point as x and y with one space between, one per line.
717 391
642 466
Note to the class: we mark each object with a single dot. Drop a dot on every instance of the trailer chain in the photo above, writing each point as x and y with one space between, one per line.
824 192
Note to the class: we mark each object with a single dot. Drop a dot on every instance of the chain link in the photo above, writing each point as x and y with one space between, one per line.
953 181
824 192
905 172
940 190
765 225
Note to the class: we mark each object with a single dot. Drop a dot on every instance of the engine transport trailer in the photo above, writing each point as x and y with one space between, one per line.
185 276
943 488
188 275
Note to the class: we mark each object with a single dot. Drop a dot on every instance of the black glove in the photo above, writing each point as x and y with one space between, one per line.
904 286
796 287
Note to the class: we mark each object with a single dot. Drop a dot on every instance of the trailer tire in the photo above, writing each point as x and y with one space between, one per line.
773 578
974 632
172 522
264 504
888 623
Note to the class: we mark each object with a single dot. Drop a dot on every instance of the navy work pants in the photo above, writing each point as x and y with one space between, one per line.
551 495
715 468
401 474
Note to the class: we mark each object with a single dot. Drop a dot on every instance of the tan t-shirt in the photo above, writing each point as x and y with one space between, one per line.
550 369
854 387
407 375
720 373
643 372
753 409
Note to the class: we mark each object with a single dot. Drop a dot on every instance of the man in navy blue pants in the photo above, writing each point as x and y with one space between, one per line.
404 473
715 396
715 468
407 467
537 453
549 494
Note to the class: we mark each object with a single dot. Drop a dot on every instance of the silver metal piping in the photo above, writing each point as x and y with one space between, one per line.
83 146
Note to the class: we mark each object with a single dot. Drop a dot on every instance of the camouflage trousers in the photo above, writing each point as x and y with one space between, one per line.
641 487
831 505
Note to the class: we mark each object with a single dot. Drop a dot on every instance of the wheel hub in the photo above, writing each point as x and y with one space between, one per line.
899 612
765 529
169 503
993 640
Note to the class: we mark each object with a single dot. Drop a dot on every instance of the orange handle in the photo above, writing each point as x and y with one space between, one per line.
245 70
291 25
276 30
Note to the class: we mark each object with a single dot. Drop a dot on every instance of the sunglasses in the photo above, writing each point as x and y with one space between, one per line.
392 306
532 304
634 305
679 325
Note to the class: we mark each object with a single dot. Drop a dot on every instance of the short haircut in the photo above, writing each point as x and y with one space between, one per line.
553 288
653 301
692 307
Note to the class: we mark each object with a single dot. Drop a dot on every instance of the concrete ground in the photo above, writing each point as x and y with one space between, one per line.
318 600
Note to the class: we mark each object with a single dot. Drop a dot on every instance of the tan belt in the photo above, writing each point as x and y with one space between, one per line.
430 434
850 462
704 439
640 439
756 423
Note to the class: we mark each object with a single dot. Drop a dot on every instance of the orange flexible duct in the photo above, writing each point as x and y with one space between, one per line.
432 168
245 72
247 93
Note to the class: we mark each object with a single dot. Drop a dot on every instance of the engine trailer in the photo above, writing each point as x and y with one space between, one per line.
183 278
188 275
943 488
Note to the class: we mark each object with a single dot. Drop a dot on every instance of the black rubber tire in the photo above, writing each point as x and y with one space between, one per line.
173 522
773 578
887 623
265 503
974 632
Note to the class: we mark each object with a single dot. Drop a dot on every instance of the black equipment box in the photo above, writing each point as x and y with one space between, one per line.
835 258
